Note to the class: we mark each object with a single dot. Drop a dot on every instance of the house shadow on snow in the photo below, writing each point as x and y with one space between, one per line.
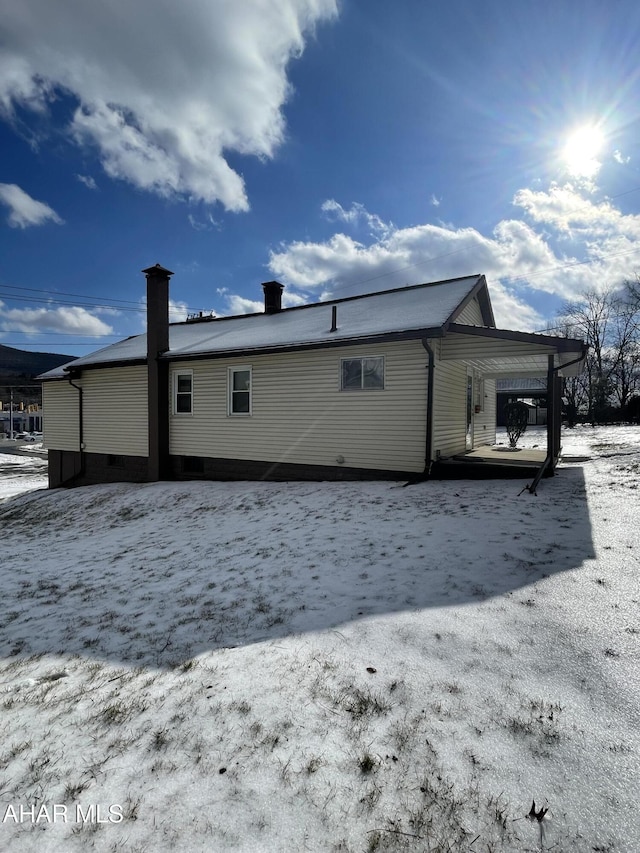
153 575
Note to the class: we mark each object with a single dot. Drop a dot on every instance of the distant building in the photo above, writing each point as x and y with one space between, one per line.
25 419
532 391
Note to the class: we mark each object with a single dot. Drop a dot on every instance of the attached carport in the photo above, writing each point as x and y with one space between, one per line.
499 353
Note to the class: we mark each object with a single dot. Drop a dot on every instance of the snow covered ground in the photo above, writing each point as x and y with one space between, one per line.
21 470
324 667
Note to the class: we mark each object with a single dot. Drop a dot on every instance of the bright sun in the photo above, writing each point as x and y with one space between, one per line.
581 150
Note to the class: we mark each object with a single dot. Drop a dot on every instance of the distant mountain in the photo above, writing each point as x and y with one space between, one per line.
20 365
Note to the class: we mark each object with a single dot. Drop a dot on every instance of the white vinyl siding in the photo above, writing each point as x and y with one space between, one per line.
60 421
471 315
450 408
484 423
115 410
300 415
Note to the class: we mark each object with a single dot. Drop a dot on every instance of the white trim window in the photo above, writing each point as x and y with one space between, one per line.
183 392
362 374
239 382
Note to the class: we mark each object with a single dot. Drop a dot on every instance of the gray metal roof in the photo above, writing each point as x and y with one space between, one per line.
402 310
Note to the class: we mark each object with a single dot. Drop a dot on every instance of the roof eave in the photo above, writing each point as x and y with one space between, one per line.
560 344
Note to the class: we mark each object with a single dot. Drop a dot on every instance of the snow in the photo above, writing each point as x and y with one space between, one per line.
21 470
325 667
417 307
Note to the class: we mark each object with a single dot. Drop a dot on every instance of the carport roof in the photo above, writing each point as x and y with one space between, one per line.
505 353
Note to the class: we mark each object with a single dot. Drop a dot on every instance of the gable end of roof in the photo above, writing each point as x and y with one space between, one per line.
481 293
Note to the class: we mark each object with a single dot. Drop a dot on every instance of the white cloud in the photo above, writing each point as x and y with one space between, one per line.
240 305
88 181
67 319
570 245
357 214
162 110
236 304
24 210
567 210
619 157
178 311
206 224
435 201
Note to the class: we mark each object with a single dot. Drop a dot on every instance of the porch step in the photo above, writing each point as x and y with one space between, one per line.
478 469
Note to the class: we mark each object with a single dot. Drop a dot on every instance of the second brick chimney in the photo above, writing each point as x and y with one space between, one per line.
272 296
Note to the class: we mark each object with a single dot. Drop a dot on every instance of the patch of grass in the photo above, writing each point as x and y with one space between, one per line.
71 792
14 751
116 713
313 765
367 763
159 739
363 703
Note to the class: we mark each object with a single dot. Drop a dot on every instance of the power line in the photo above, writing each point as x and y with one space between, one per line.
66 334
568 265
64 293
76 304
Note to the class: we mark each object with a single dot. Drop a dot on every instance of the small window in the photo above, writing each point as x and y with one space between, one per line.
239 390
183 393
362 374
115 461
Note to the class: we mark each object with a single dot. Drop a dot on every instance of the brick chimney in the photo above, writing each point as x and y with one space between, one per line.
158 371
157 309
272 296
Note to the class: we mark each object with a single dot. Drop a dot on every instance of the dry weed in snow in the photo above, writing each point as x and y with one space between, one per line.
325 667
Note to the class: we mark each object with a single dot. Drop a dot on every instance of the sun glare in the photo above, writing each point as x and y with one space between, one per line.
581 150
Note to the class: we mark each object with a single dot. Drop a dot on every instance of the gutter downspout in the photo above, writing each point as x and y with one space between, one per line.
80 435
429 439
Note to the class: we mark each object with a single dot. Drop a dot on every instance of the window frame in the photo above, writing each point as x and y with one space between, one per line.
362 386
175 375
231 371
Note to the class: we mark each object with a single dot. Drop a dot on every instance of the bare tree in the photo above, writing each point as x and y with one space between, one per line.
590 318
626 346
610 323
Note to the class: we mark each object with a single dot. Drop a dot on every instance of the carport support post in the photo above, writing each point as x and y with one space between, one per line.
553 413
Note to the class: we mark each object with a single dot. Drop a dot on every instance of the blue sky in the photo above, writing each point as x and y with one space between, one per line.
338 147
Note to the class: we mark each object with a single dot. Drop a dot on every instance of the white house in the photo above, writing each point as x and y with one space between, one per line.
379 385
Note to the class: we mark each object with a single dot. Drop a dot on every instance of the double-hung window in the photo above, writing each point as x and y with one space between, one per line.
183 392
362 374
240 390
